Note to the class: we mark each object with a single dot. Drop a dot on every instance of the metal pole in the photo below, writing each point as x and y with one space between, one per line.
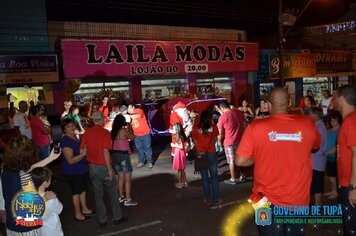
280 43
300 14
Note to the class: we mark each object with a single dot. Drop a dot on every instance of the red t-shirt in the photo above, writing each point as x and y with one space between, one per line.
346 139
302 103
205 143
139 125
96 139
105 110
281 146
39 137
232 123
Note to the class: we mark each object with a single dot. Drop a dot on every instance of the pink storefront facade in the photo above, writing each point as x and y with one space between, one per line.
134 60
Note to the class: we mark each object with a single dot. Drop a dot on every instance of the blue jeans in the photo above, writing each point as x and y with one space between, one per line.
143 147
281 229
98 175
43 151
349 225
122 162
213 171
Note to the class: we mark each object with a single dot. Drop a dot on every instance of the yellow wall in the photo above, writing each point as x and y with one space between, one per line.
25 94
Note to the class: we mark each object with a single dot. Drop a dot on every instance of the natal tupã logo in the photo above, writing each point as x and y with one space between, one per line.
28 207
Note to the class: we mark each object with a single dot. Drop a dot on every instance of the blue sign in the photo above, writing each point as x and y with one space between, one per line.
28 63
263 216
25 69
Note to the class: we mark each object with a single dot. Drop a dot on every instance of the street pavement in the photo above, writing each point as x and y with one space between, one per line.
164 210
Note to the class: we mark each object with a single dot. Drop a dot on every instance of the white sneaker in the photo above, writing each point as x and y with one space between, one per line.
150 165
230 181
242 179
140 165
130 202
122 199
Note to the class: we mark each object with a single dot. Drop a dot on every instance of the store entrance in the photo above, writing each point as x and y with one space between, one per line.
317 86
26 93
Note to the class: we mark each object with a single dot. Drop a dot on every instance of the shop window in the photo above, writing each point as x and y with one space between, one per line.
162 87
212 87
317 85
24 93
343 80
87 91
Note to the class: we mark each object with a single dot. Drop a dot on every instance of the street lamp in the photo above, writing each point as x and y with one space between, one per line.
285 19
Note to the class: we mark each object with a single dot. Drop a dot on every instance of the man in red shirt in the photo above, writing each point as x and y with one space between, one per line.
230 126
346 159
97 141
143 136
310 95
280 147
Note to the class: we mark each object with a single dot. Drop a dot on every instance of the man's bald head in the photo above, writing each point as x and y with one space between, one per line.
279 100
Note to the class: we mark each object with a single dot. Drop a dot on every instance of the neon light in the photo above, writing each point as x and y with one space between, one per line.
341 27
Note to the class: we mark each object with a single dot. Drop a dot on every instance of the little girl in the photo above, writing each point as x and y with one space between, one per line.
179 159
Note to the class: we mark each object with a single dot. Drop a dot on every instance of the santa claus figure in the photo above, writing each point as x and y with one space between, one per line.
179 114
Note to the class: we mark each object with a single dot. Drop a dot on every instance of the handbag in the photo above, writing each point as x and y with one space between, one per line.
203 162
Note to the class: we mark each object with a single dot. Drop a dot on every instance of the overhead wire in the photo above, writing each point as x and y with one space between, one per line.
189 11
177 8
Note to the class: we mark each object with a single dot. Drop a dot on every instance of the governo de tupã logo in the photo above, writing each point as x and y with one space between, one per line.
28 207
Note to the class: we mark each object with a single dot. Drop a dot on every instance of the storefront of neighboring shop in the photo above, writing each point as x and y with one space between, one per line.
151 70
295 66
333 69
26 77
316 70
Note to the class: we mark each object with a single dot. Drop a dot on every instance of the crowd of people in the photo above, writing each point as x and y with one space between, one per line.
106 160
290 154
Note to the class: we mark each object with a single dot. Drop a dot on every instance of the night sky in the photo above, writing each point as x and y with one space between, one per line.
256 17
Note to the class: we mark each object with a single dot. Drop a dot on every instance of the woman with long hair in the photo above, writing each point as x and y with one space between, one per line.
120 136
179 158
263 110
204 137
246 109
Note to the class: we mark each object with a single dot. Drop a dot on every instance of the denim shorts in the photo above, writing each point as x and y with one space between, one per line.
122 162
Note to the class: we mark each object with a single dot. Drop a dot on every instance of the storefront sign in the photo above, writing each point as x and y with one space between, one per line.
333 61
295 65
86 58
27 69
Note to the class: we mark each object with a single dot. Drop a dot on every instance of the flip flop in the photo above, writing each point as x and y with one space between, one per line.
86 218
93 213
